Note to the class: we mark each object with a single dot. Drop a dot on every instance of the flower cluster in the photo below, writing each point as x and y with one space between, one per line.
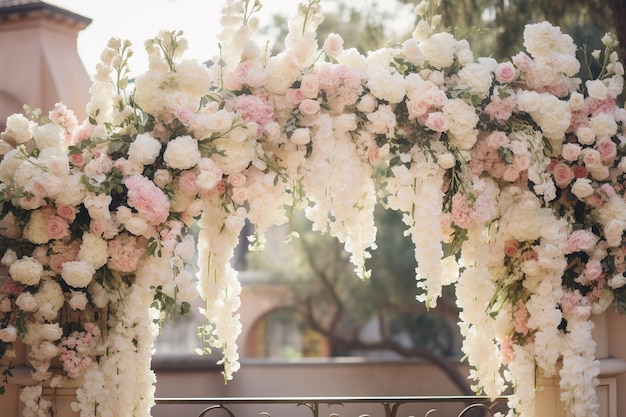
508 174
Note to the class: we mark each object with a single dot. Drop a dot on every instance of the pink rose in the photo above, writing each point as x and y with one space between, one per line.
607 149
237 179
497 139
563 175
581 239
435 97
511 174
295 96
240 195
506 72
78 159
437 121
523 62
333 45
184 115
67 212
309 85
416 108
57 227
511 247
593 270
571 151
188 182
309 107
591 158
579 171
521 162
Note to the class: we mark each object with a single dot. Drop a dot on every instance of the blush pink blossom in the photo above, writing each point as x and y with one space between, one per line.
437 121
148 199
255 109
188 182
57 227
506 72
562 174
124 253
581 240
607 149
67 212
511 247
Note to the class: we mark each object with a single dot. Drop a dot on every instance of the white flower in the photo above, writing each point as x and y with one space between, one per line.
48 136
93 250
439 49
78 300
18 129
26 271
596 89
27 302
582 188
300 136
9 257
386 85
182 153
463 120
412 52
77 274
8 334
144 149
476 78
617 281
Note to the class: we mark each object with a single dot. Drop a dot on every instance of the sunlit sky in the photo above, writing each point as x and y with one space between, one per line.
138 20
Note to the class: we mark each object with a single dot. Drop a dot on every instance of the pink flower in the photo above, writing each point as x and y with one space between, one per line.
511 247
78 159
57 228
581 240
309 85
237 180
593 270
309 107
188 182
255 109
124 253
506 72
563 175
333 45
437 121
148 199
67 212
295 96
520 314
607 149
497 139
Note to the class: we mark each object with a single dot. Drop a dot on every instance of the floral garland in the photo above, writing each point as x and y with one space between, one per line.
509 176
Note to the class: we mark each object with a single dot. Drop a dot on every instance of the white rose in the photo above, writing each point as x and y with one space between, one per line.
26 271
48 136
144 149
8 334
582 188
137 226
613 232
585 135
596 89
47 350
9 257
576 101
27 302
49 331
367 104
234 223
182 153
162 177
412 52
528 101
78 301
300 136
186 249
446 160
617 281
77 274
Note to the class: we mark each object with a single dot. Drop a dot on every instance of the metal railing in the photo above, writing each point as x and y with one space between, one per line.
394 406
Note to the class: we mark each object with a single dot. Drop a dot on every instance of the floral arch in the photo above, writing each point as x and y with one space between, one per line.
509 175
